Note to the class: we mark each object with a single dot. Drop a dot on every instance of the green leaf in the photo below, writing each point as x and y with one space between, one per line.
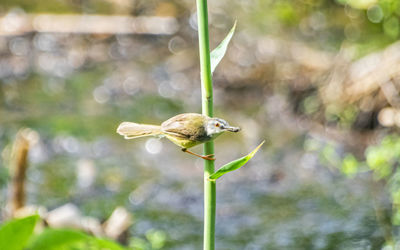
68 239
102 243
218 53
16 233
57 239
233 165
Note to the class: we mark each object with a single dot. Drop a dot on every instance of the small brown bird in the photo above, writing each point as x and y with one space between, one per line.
185 130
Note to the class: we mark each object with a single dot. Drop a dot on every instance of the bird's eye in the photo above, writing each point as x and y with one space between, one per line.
217 125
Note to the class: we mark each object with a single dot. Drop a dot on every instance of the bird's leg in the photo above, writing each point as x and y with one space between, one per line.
205 157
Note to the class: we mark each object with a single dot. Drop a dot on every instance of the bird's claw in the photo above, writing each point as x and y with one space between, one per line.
208 157
205 157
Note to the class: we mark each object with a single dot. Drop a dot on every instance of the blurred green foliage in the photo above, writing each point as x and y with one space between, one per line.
155 239
17 234
368 25
63 6
382 160
66 239
349 165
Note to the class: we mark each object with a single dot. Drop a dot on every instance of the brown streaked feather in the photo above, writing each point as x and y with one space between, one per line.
189 126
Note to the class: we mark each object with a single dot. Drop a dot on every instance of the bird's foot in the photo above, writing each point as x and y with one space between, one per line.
208 157
205 157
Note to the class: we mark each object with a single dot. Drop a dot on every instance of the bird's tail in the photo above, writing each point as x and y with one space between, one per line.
131 130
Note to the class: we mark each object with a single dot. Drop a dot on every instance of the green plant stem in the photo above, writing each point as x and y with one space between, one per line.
207 109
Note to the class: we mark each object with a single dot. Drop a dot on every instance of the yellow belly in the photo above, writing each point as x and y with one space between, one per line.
183 143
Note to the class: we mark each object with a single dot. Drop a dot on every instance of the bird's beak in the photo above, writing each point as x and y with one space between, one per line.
233 129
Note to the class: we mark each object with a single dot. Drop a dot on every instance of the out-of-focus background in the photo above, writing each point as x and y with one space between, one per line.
317 79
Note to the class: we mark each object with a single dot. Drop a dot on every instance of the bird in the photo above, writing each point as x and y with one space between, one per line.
185 130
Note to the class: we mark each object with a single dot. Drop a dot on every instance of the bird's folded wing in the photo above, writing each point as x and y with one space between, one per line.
187 126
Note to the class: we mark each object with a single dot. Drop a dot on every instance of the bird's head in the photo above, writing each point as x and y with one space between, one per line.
216 126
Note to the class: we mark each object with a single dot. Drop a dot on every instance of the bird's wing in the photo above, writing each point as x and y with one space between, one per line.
188 126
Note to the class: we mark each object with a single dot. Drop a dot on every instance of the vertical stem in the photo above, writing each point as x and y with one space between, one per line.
207 107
